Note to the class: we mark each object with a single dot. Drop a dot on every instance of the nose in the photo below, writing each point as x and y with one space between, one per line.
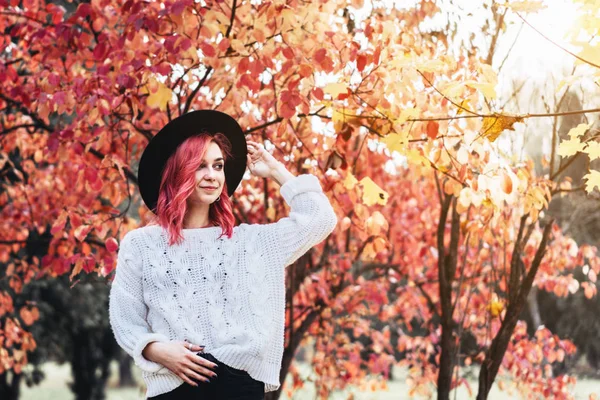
210 174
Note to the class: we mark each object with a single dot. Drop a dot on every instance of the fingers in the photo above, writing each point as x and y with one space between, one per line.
193 347
200 365
199 360
205 377
254 147
186 379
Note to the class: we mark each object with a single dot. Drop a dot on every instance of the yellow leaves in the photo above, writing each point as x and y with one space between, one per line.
570 147
216 21
590 53
593 150
160 94
495 308
494 126
578 130
373 194
431 66
406 114
593 180
486 88
350 181
395 142
334 89
536 198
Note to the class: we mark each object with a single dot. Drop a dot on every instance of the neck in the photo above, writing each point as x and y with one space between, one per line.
196 217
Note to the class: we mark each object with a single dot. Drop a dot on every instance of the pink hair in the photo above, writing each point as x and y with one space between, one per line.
178 182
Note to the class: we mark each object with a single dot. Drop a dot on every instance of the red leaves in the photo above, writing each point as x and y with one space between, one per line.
178 7
361 62
288 53
432 129
250 82
208 50
59 223
321 58
84 10
223 45
82 231
100 51
111 244
318 93
289 100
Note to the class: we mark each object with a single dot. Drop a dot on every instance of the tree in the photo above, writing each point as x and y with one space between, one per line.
327 89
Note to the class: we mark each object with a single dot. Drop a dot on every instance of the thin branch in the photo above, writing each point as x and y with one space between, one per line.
446 97
557 45
510 49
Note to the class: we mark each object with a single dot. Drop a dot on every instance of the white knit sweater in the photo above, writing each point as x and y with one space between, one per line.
225 294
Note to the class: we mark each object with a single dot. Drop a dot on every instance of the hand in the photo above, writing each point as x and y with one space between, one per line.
182 360
260 162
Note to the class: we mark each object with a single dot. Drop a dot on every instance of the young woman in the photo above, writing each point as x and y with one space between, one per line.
198 302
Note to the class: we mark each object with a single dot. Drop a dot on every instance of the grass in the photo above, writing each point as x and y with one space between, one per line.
58 376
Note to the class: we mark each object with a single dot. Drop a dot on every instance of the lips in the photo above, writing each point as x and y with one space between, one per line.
209 187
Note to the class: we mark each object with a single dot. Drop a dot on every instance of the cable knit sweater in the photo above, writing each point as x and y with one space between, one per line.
225 294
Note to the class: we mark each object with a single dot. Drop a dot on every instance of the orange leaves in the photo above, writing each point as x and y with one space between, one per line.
376 224
289 100
6 303
506 183
82 231
322 60
159 94
432 129
589 289
29 314
59 223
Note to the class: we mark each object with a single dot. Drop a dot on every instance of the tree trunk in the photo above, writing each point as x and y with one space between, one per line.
534 308
447 261
10 385
519 290
125 374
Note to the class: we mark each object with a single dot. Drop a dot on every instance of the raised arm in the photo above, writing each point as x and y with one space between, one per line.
311 218
310 221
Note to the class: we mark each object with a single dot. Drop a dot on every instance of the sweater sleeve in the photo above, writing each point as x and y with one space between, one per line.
310 221
127 310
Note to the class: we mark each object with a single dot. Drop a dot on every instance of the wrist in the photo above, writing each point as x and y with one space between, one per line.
280 174
150 351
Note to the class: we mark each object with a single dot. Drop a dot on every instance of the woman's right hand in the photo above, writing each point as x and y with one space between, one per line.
181 360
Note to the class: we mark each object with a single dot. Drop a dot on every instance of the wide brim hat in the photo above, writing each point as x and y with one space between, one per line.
166 141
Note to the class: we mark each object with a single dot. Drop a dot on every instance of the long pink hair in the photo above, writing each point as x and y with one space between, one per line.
178 182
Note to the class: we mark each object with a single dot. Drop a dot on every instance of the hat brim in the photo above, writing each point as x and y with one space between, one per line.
166 141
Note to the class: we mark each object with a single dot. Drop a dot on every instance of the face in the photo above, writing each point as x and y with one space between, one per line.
210 173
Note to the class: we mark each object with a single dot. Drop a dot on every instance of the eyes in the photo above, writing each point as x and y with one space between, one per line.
218 167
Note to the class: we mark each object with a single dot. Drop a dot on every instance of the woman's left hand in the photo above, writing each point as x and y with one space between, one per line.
260 162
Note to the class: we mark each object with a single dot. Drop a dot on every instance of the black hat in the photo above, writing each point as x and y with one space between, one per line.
166 141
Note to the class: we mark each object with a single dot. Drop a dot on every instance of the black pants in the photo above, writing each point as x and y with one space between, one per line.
230 384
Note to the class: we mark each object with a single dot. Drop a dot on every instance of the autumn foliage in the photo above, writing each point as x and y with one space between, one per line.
438 234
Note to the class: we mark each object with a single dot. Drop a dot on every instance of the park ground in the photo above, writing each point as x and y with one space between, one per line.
57 377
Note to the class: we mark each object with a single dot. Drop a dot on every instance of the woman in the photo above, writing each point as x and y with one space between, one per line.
198 302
